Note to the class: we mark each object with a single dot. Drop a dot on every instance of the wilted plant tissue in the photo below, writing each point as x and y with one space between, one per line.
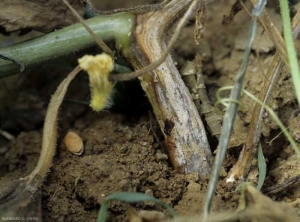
98 68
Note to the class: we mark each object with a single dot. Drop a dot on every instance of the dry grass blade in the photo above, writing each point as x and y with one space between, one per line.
274 34
249 151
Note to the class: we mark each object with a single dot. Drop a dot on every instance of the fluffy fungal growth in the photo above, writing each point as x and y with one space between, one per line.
98 67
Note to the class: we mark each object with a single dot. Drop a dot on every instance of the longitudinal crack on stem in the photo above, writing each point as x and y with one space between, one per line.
155 64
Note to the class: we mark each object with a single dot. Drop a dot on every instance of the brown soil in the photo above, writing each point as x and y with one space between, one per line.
126 153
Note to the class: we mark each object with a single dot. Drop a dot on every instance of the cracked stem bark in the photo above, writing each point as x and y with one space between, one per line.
186 141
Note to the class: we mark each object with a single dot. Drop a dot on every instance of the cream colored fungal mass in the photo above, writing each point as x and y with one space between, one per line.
98 68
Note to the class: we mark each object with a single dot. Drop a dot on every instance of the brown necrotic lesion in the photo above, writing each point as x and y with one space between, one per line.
169 125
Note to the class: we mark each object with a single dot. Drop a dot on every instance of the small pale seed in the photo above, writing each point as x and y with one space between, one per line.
74 143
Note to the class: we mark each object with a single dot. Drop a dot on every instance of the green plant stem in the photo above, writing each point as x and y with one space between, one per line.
289 42
98 40
68 40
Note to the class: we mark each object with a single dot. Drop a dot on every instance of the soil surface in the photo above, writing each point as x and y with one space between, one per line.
123 147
